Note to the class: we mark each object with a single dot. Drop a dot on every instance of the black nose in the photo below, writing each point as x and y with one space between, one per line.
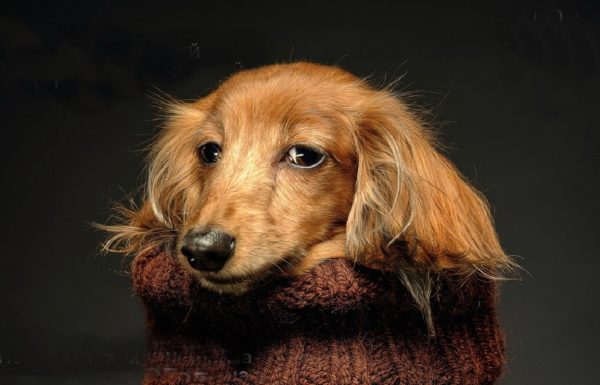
207 250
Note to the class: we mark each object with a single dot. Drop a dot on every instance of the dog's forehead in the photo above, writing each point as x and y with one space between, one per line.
286 103
275 109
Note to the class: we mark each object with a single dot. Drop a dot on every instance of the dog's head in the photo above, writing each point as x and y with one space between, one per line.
286 165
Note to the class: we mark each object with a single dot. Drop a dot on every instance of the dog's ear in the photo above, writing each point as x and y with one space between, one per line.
170 181
172 173
412 209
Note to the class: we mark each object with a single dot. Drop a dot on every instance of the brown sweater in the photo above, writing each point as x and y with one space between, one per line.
338 324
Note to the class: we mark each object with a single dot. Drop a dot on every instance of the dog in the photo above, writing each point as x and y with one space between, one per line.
288 165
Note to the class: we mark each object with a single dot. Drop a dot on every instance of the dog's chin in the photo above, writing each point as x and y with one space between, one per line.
230 286
239 284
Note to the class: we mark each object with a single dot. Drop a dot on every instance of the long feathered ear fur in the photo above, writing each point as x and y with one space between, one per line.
170 181
413 212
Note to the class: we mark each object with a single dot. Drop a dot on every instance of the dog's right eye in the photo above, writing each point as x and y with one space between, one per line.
304 157
209 153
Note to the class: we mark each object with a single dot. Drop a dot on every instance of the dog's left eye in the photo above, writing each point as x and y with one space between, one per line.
209 153
304 157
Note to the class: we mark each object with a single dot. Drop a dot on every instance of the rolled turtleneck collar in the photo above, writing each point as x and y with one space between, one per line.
297 330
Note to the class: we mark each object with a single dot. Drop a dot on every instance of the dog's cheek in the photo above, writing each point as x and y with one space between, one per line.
311 203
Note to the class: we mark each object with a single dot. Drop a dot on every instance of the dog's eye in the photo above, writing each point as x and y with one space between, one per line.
209 153
304 157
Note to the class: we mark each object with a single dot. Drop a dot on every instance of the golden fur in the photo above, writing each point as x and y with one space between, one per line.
384 197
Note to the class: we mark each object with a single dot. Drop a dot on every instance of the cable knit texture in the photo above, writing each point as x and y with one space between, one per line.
338 324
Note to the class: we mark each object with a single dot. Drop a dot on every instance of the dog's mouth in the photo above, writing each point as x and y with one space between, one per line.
229 285
228 280
239 284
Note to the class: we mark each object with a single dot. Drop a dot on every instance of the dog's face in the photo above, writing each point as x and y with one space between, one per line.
287 165
274 173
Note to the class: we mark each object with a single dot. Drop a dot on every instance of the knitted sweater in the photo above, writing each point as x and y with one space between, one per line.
337 324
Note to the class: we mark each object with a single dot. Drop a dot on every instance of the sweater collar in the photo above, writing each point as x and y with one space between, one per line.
336 285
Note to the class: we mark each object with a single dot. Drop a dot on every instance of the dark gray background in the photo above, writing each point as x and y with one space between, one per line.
514 87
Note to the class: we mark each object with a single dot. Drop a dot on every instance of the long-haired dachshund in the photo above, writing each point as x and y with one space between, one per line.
287 165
